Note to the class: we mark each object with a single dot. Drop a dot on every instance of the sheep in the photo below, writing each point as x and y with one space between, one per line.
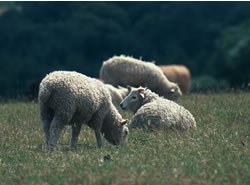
117 94
123 70
71 98
179 74
154 112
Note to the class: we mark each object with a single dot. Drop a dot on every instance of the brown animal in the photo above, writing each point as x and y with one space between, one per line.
179 74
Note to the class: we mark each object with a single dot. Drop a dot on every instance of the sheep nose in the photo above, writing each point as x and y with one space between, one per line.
121 105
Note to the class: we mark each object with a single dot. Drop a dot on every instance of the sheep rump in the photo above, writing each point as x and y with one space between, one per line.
71 98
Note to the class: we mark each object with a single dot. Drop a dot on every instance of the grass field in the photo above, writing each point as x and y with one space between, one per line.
217 152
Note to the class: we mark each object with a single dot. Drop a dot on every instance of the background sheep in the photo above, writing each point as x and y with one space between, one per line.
122 70
179 74
154 112
72 98
117 94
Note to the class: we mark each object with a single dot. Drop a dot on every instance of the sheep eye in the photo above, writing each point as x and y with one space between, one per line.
133 97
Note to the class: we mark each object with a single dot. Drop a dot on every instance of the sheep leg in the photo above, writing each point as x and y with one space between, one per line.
76 128
96 124
46 118
46 130
98 138
55 129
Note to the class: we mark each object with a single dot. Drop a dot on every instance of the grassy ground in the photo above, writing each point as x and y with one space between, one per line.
216 153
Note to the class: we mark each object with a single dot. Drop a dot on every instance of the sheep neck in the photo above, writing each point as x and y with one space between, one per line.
149 97
110 122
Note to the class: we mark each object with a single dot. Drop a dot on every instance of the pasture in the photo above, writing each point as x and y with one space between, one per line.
217 152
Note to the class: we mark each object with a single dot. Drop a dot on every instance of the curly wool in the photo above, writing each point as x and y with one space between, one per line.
73 98
149 96
123 70
162 114
156 112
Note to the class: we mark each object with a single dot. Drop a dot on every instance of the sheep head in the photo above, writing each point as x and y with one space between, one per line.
173 91
118 134
134 99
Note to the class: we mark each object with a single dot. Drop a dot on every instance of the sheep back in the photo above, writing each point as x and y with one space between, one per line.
72 92
123 70
162 114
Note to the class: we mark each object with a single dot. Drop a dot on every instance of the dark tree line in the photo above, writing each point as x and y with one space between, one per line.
211 38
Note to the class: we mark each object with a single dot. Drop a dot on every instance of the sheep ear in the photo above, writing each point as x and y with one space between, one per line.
141 89
141 92
124 122
129 88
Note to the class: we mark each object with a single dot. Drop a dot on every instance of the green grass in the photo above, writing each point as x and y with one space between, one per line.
217 152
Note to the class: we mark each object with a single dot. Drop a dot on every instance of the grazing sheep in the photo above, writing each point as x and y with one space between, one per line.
179 74
117 94
153 112
122 70
75 99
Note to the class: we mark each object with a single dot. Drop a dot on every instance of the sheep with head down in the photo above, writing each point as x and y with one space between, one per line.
71 98
179 74
123 70
154 112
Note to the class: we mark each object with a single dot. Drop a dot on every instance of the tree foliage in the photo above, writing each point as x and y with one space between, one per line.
233 53
40 37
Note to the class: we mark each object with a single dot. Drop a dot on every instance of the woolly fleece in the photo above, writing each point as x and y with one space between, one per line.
73 98
156 112
123 70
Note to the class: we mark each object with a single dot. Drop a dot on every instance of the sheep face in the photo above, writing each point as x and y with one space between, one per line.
174 91
119 135
134 100
125 132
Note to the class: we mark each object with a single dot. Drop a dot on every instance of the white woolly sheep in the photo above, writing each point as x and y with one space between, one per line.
154 112
123 70
71 98
117 94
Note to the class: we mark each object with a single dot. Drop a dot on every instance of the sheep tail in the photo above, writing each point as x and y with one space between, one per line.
44 93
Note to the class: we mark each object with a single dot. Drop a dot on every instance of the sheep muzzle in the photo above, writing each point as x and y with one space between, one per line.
123 107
